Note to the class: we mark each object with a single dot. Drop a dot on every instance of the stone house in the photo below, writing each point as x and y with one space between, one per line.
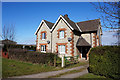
68 37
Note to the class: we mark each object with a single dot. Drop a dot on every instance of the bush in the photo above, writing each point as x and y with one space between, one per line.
32 56
105 61
14 46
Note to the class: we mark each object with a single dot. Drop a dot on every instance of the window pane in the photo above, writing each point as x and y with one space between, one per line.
43 35
61 34
43 47
61 48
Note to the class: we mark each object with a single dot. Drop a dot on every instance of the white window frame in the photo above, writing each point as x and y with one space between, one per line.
61 34
61 49
43 48
43 36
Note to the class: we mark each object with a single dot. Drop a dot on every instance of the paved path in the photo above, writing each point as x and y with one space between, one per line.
52 73
74 75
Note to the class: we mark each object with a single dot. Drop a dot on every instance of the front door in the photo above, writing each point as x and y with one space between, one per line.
84 50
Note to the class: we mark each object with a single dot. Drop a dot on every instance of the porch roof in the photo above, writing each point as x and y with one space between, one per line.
82 42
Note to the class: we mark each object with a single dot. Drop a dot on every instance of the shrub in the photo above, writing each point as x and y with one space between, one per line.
32 56
105 61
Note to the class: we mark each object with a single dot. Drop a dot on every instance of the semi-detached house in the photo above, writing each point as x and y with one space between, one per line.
68 37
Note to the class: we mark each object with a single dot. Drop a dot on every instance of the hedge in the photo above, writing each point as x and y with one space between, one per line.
32 56
105 61
16 46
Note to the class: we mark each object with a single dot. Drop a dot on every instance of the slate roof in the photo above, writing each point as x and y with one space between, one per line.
85 26
49 24
73 24
82 42
91 25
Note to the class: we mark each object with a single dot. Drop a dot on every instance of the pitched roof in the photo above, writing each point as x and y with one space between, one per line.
85 26
49 24
91 25
82 42
6 41
73 24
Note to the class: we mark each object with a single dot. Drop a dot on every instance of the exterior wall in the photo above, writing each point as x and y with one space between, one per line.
39 41
92 38
71 50
56 41
87 37
76 52
99 33
95 41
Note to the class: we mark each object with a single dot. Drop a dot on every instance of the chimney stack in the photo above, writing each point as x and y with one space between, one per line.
66 16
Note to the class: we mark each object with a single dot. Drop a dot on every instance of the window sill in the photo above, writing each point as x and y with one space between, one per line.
61 38
43 39
43 51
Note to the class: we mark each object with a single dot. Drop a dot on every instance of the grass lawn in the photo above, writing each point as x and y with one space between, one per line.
90 75
15 68
76 65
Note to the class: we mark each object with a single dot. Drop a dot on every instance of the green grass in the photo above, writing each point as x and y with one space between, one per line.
90 75
17 68
76 65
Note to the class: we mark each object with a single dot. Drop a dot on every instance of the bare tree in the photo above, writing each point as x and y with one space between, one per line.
110 16
8 32
109 13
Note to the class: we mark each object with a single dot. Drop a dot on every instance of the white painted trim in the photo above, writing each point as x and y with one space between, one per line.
40 25
58 20
78 27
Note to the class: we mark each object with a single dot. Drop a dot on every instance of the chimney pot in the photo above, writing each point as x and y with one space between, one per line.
66 15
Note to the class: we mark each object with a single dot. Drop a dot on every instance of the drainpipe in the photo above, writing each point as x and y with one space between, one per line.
51 41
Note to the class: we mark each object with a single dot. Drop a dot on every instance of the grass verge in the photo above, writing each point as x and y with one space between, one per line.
77 64
17 68
90 75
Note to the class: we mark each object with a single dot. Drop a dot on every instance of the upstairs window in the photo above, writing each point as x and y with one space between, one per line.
43 35
61 34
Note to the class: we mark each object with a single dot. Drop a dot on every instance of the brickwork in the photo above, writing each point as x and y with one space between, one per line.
45 34
43 44
66 47
61 29
98 40
72 43
94 39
